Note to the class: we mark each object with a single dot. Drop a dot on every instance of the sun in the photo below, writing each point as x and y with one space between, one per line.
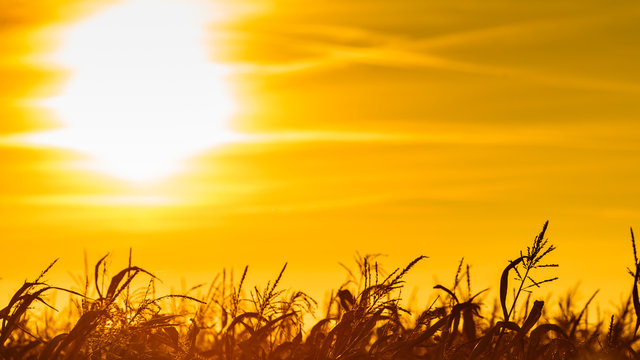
143 94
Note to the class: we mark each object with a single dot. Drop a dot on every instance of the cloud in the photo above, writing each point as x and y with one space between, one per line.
329 47
371 48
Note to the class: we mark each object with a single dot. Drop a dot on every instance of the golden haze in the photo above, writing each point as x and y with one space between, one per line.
225 133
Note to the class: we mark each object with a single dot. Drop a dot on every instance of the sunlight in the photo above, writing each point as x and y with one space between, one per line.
143 95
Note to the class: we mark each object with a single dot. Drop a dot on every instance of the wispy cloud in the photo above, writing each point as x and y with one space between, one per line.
377 49
338 46
510 137
591 136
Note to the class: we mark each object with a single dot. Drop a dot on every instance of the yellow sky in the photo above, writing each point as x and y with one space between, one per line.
407 127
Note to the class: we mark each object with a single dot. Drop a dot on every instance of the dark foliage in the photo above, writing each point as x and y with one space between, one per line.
364 320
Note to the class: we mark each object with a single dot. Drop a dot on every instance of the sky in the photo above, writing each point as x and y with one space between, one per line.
404 128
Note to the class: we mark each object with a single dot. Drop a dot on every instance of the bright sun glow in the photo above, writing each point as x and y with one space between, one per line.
143 94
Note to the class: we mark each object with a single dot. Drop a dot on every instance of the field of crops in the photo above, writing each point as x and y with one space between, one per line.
365 319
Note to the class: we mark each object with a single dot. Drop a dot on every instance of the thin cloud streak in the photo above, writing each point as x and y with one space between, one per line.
338 56
525 136
334 48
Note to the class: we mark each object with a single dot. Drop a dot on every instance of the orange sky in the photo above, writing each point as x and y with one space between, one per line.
401 127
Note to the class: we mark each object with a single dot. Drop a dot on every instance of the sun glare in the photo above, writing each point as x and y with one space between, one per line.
143 94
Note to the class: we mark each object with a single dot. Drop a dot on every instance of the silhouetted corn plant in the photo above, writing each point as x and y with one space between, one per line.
364 319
